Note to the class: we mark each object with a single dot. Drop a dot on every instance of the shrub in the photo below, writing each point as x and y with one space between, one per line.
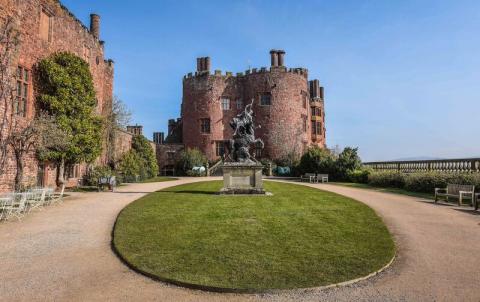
387 179
359 175
317 160
146 154
347 162
130 166
427 181
188 159
92 176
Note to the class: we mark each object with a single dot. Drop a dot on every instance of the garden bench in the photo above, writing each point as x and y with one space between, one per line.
310 177
322 177
457 191
109 181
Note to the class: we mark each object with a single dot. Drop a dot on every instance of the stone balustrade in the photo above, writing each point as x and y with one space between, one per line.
464 165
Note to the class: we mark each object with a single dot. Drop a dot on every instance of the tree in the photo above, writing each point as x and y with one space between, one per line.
317 160
41 134
67 93
144 149
118 118
9 44
130 166
348 161
190 158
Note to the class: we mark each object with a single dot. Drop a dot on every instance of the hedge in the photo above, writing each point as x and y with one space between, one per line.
424 182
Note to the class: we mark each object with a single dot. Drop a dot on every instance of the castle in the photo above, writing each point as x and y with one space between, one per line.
288 107
46 27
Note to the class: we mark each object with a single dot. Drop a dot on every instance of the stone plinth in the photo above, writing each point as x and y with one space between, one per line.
242 178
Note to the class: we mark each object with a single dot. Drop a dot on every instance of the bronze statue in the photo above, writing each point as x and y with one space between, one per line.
243 136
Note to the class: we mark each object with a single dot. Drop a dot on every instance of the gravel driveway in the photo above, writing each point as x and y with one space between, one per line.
63 253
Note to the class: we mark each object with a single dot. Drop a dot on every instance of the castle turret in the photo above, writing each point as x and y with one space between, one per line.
95 25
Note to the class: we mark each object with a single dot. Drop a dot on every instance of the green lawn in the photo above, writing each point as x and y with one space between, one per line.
299 237
159 179
386 190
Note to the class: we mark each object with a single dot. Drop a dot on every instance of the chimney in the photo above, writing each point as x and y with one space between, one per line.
274 57
95 25
281 57
199 64
207 63
315 90
203 64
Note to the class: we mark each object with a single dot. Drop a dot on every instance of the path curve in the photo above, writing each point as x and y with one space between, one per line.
63 253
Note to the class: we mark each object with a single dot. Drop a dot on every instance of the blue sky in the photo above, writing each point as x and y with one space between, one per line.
401 78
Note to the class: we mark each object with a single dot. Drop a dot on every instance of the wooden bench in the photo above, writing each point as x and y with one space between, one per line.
109 181
457 191
322 177
310 177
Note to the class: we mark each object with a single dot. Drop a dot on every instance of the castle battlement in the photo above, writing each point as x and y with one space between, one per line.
289 107
203 70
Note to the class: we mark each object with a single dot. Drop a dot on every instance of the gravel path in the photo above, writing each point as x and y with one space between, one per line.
62 253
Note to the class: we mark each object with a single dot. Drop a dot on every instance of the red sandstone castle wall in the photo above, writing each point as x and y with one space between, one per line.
67 34
285 124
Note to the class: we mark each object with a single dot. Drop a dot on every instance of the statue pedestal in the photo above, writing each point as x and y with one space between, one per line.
242 178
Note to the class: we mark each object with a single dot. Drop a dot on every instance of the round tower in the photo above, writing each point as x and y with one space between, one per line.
281 107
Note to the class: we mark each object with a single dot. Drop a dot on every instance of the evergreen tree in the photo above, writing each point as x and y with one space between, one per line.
66 92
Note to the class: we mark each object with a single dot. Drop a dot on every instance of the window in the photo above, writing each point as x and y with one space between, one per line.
73 171
205 125
20 104
46 26
225 104
305 125
265 100
239 104
316 128
219 148
316 111
304 100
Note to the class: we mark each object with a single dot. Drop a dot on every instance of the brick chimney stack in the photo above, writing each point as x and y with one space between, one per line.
281 57
203 64
274 57
95 25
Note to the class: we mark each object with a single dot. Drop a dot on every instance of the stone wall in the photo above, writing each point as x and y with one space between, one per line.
47 27
167 155
285 126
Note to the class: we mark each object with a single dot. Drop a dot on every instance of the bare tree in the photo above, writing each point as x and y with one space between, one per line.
118 118
42 135
9 43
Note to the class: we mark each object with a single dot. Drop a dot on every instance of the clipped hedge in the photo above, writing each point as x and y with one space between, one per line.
424 182
387 179
359 175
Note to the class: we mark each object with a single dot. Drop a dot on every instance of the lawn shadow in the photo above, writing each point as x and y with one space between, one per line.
195 192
